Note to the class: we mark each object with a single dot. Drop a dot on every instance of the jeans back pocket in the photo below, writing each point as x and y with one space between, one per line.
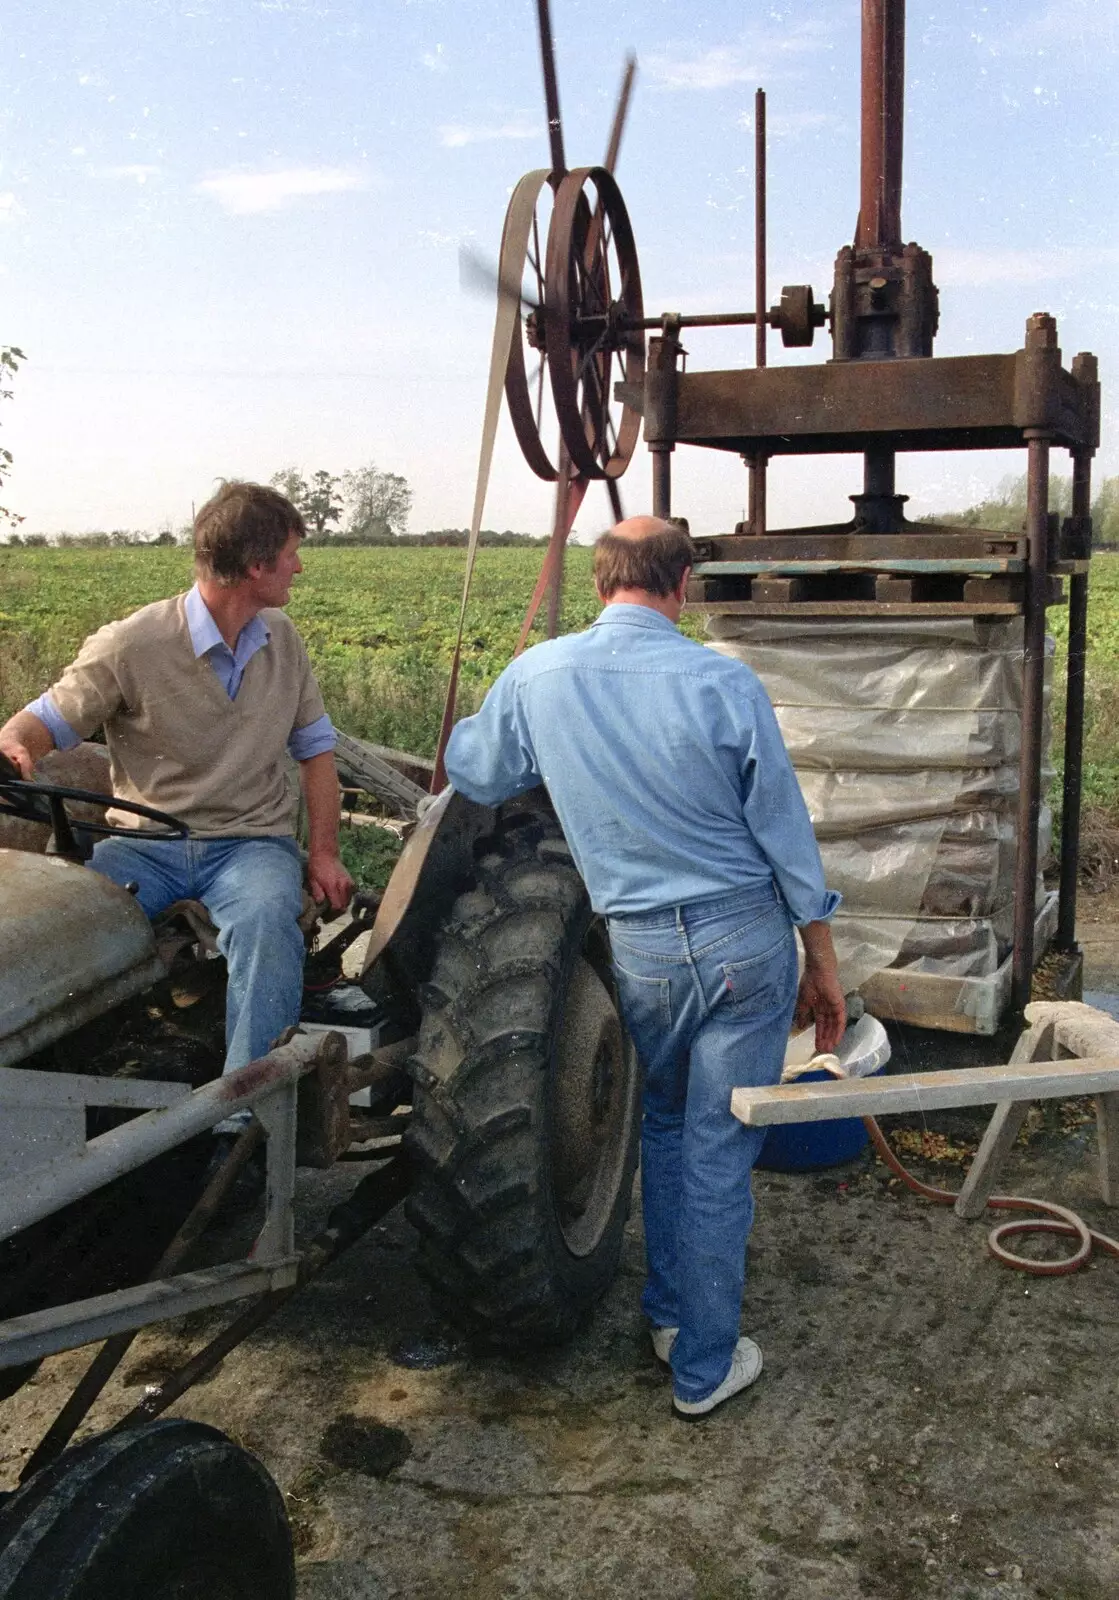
646 1002
759 983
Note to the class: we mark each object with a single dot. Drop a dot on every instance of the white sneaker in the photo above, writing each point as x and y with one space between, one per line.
663 1340
745 1365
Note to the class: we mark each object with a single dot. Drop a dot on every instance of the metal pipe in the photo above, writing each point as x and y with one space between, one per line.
114 1350
760 293
662 480
551 91
374 1197
1074 716
560 532
36 1194
883 107
1033 687
758 465
614 143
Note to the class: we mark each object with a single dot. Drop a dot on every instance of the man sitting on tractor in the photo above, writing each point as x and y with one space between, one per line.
200 698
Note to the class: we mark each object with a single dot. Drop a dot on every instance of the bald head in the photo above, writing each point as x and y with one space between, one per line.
644 560
636 528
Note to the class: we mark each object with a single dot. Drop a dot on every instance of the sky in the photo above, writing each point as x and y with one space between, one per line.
229 229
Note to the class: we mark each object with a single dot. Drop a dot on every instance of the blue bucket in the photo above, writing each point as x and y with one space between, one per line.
863 1052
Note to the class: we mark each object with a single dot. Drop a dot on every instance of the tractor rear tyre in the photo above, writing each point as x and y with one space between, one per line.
168 1511
525 1122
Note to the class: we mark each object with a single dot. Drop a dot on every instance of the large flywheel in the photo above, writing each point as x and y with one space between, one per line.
593 314
568 254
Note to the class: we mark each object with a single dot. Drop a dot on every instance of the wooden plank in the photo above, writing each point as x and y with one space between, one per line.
900 589
925 1091
962 1005
1002 588
1035 1043
812 544
1107 1129
772 591
856 608
995 1146
820 566
1011 588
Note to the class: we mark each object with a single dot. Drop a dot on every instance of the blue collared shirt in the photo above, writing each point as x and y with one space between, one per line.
206 639
664 762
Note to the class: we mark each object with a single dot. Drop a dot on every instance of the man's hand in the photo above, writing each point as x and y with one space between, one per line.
19 755
25 740
820 995
328 880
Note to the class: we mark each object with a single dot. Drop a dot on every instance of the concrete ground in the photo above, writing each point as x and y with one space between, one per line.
928 1426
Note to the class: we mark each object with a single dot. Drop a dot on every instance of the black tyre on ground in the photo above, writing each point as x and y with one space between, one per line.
525 1124
168 1511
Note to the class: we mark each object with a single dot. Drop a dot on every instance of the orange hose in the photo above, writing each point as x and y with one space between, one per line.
1053 1219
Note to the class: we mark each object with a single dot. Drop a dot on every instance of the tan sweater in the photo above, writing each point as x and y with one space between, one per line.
176 740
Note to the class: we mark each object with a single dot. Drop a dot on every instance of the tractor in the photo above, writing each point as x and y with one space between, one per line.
500 1102
491 1085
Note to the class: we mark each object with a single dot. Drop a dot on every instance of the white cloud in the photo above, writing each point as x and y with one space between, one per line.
747 61
955 268
9 207
435 60
137 173
454 136
714 69
440 241
247 193
1068 27
792 124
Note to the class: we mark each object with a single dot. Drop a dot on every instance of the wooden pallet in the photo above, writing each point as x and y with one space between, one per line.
953 1005
863 594
843 574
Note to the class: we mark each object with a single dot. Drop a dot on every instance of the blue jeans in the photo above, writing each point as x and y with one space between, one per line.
707 991
253 890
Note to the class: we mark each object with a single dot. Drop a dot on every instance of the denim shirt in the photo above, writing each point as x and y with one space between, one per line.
664 762
206 640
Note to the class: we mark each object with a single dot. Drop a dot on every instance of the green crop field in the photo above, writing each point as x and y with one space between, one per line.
380 626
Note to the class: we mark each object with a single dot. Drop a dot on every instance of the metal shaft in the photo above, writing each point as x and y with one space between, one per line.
114 1350
373 1198
760 292
614 143
758 464
883 104
561 529
1033 687
1074 716
662 481
551 91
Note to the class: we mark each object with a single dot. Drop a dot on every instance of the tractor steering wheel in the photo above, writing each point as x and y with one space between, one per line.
46 802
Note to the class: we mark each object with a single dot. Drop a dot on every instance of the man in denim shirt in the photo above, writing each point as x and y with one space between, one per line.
667 771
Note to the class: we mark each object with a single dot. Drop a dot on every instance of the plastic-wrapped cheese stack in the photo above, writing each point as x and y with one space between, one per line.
904 736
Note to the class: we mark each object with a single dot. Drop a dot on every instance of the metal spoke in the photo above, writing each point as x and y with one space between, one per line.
538 379
591 352
535 258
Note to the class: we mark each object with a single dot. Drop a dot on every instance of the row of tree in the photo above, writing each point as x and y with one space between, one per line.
1005 510
366 506
121 538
